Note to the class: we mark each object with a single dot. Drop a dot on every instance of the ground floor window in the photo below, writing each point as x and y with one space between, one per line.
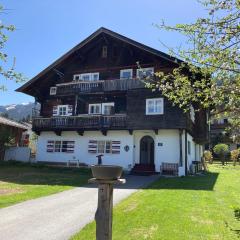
60 146
104 146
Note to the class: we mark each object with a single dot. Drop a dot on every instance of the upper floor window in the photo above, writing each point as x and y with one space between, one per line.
145 72
94 108
108 108
126 73
104 51
101 108
53 90
154 106
86 77
62 110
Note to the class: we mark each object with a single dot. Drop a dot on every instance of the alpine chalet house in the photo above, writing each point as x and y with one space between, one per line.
94 101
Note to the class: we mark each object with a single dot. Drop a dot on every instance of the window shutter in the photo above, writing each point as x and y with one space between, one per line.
55 110
50 146
116 147
92 146
70 110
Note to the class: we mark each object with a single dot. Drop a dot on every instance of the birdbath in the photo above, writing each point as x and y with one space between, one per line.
105 176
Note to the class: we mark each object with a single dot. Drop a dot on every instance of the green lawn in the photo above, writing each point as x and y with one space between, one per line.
21 182
201 207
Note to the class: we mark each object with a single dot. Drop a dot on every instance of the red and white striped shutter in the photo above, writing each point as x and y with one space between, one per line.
92 146
70 110
55 110
116 145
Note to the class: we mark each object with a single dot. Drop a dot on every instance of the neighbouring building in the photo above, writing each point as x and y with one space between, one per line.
15 129
94 101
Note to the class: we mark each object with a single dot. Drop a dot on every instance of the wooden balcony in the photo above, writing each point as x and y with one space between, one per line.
83 122
98 86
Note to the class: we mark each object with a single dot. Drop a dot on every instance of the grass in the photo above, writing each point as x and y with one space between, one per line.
189 208
21 182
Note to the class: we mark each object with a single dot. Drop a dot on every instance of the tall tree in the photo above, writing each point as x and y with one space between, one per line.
7 68
211 61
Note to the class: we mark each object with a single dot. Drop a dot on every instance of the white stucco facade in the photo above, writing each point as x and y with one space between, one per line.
166 147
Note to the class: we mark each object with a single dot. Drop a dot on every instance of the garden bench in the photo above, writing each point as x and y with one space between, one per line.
73 161
169 168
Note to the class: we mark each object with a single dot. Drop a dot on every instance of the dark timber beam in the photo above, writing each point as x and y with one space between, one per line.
58 132
80 132
104 132
156 131
130 131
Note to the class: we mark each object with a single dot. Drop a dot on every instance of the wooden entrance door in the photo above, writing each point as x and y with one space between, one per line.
147 150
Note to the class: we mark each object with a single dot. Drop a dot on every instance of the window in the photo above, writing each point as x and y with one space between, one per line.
104 51
101 146
189 147
110 147
53 90
57 147
145 72
62 110
94 108
104 146
154 106
108 108
126 73
86 77
60 146
68 146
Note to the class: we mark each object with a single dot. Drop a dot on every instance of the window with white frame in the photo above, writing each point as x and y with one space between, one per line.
104 147
60 146
154 106
86 77
126 73
62 110
53 90
145 72
94 108
108 108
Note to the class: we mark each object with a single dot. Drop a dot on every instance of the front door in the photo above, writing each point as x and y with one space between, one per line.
147 150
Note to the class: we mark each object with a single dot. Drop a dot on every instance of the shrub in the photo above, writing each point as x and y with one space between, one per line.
221 150
208 156
234 156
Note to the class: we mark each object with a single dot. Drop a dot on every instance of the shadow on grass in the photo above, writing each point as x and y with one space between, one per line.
20 173
38 174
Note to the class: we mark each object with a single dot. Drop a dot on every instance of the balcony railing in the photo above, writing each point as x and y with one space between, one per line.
99 86
80 122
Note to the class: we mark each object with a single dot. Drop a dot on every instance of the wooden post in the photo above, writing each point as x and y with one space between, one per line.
103 216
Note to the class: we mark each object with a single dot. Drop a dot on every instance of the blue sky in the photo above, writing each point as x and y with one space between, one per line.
46 29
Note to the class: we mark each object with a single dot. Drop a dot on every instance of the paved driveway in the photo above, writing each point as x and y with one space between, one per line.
61 215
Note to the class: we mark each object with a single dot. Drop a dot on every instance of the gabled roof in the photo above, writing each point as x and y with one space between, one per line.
91 37
9 122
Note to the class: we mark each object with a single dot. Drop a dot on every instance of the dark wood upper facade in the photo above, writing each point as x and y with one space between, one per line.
106 53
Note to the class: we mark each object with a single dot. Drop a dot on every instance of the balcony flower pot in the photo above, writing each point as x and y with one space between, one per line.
106 172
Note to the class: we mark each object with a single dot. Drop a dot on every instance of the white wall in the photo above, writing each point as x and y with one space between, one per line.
166 148
123 159
18 154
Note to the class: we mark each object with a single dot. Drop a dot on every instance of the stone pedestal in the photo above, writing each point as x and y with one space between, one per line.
103 216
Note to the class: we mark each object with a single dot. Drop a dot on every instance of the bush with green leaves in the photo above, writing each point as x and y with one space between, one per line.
221 150
234 156
208 156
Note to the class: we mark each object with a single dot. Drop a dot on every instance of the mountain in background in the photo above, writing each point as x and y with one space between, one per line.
18 111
